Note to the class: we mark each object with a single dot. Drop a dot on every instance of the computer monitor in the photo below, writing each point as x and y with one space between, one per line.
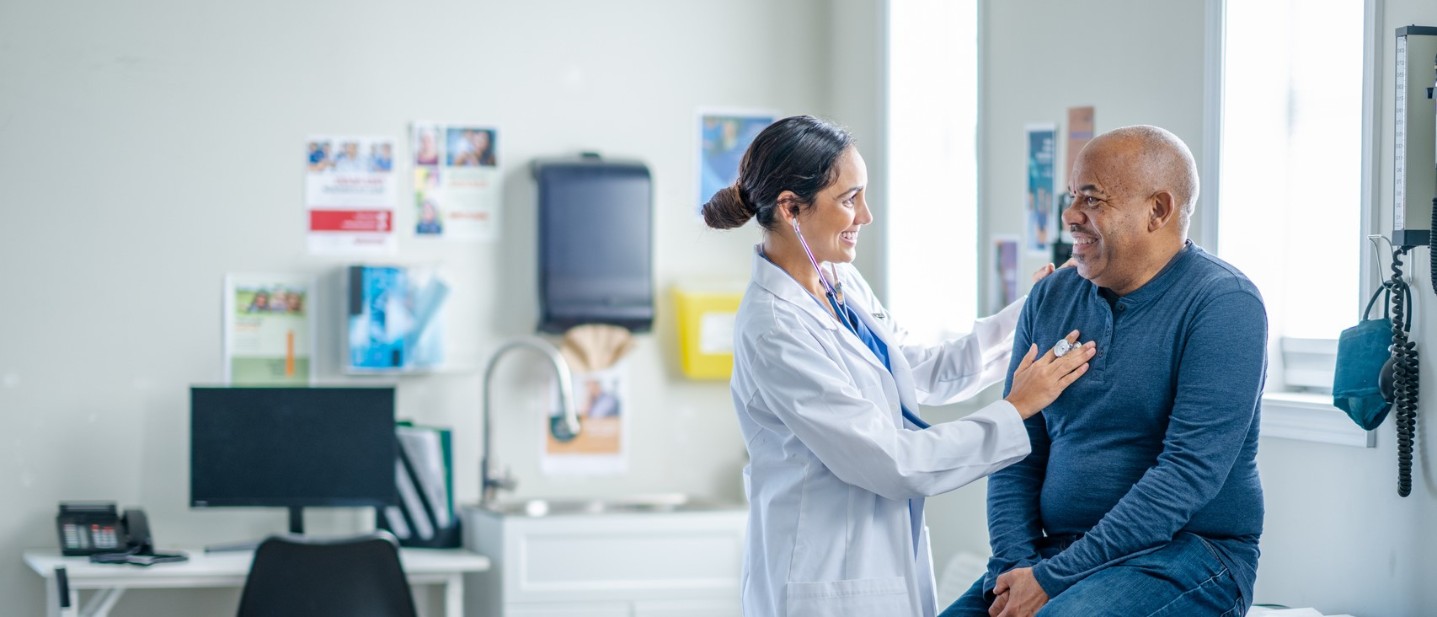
291 447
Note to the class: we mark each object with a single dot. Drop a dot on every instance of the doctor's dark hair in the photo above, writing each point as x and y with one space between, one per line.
793 154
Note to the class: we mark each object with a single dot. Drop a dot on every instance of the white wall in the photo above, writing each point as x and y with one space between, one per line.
1337 536
148 148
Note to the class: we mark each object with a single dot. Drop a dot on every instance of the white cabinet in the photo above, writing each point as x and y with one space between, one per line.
621 564
570 609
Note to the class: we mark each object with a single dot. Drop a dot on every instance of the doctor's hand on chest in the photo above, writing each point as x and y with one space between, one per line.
1039 381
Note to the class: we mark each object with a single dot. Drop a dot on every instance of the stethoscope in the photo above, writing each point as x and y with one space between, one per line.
829 290
840 310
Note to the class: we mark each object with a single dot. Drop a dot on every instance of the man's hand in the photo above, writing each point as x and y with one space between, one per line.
999 602
1019 594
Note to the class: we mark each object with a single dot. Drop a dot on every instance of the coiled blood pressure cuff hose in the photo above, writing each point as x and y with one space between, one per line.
1404 372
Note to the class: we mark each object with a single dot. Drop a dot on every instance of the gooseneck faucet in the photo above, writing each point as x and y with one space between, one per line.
492 479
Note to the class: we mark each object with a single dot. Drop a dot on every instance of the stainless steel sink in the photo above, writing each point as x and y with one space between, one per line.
662 502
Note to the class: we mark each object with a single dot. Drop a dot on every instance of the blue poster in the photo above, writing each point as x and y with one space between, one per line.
724 139
1038 195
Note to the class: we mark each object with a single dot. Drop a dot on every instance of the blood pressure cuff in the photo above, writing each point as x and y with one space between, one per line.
1361 352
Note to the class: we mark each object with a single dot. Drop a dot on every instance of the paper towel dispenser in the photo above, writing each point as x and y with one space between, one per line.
595 243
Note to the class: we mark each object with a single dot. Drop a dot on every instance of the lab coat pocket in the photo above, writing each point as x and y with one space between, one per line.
862 596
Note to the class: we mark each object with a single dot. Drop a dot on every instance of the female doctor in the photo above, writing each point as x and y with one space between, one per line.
826 389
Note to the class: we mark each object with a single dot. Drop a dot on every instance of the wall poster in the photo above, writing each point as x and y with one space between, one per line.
1080 132
1003 286
1038 194
457 188
268 338
349 194
724 136
600 398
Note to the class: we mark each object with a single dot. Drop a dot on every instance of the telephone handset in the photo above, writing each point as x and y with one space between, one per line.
138 539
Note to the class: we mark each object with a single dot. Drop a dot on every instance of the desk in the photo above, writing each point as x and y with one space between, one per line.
226 569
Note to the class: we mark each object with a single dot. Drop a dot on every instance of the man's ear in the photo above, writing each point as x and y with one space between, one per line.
1162 210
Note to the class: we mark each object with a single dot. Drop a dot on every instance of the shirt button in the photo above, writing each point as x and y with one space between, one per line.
1122 307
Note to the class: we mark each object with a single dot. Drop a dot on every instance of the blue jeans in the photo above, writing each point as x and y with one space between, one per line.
1184 578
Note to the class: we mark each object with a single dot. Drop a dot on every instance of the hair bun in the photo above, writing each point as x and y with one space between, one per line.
728 209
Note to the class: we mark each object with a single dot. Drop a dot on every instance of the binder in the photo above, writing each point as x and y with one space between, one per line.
424 474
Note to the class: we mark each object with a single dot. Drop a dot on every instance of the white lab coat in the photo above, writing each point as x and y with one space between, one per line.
835 479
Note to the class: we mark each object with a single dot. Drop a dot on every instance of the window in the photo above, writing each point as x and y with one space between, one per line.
1291 167
932 69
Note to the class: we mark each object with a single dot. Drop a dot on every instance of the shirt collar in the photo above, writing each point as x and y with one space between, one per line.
1164 278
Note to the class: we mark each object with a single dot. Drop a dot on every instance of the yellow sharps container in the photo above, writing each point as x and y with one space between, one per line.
705 317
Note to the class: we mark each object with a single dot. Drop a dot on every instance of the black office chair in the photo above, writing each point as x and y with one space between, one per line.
346 577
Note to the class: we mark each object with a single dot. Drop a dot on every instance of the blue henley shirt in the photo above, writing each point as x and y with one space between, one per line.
1159 437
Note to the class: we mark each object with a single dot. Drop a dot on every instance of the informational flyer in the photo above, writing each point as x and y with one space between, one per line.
1038 194
1003 286
394 319
1080 132
268 333
724 136
349 193
600 448
457 186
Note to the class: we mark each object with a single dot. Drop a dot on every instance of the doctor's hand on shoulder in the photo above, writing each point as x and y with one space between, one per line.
1037 382
1042 272
1049 268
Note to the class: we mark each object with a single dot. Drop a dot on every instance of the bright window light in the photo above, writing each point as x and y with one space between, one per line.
931 209
1291 164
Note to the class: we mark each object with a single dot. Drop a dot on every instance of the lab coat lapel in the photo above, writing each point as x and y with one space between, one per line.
777 282
902 373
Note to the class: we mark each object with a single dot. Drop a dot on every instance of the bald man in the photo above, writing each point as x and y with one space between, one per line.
1141 496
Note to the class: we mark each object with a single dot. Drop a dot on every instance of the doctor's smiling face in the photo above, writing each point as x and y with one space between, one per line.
803 170
839 211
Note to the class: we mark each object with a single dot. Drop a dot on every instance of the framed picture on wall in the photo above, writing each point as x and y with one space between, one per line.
723 137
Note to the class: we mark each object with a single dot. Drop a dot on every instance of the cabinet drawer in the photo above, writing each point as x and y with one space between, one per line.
613 558
694 608
578 609
657 564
